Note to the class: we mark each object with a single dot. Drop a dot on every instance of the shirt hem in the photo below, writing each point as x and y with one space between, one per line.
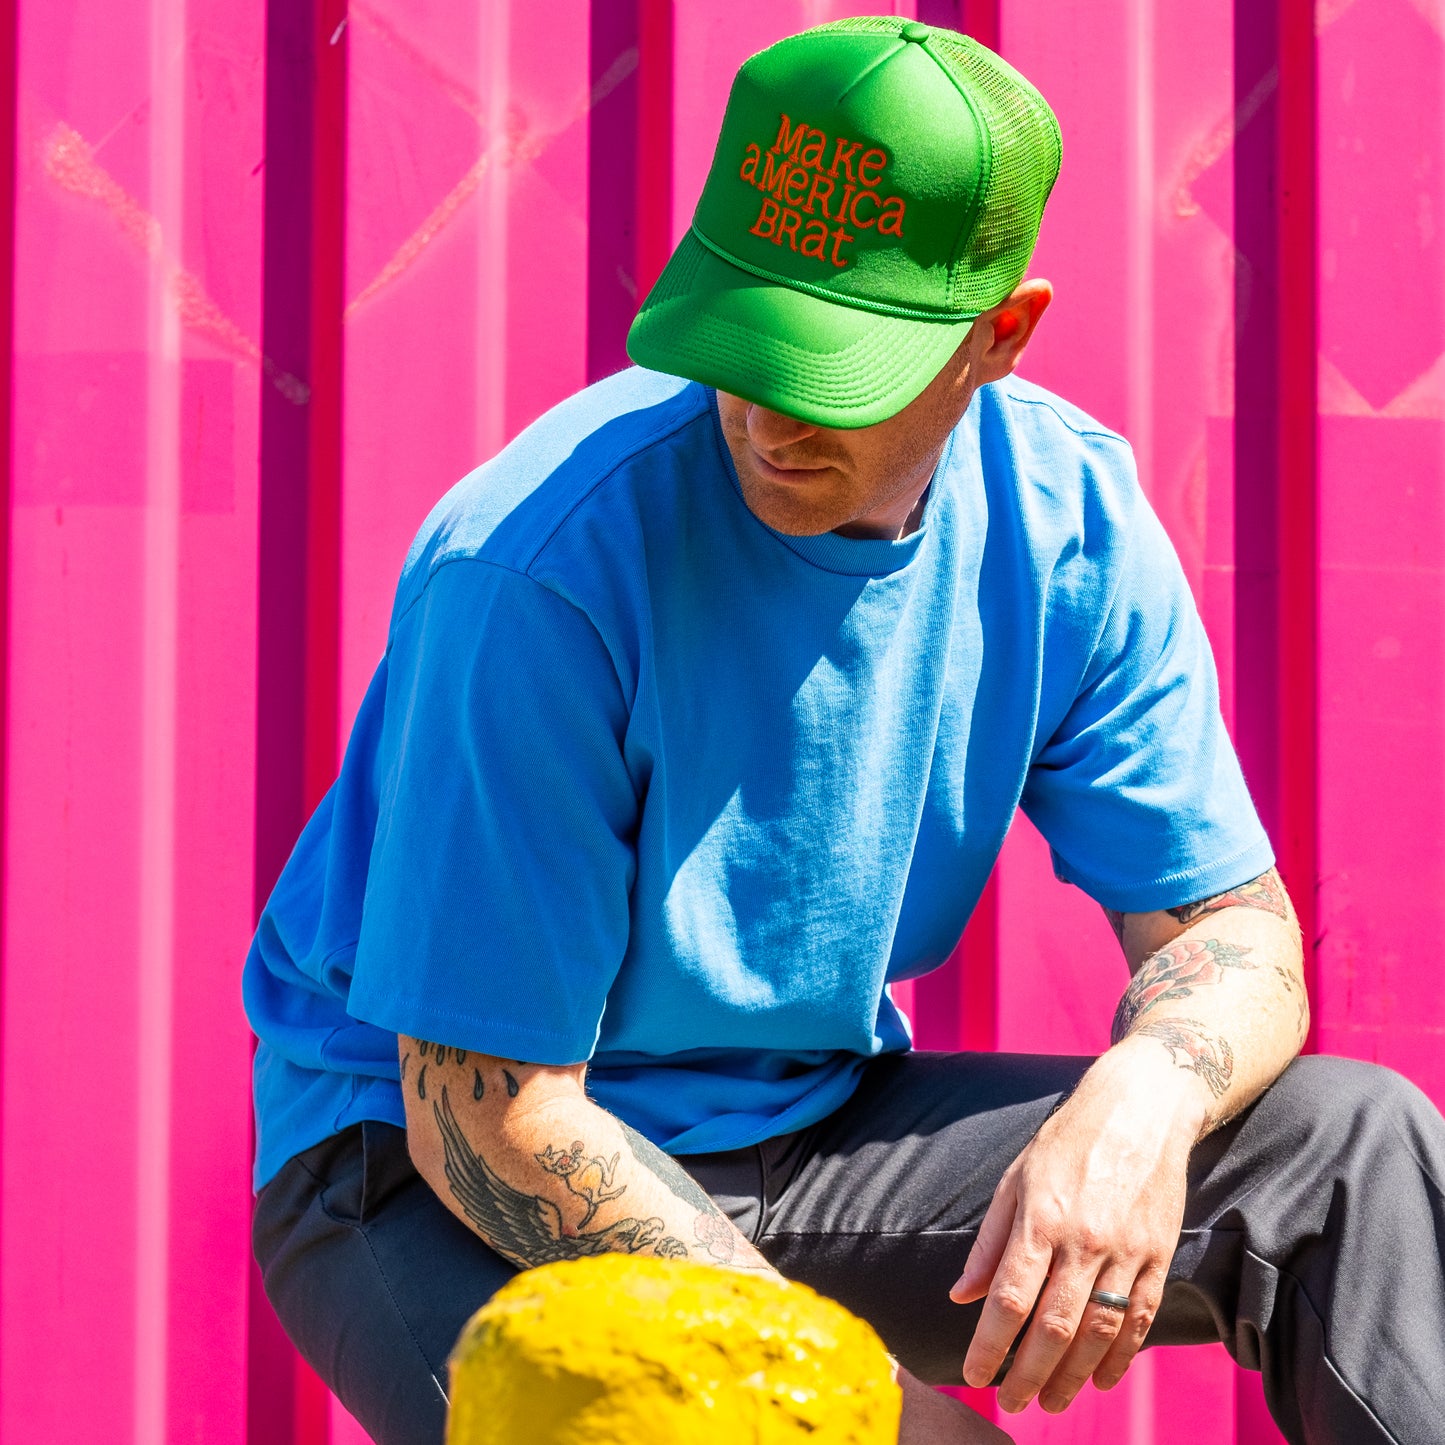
467 1031
364 1105
1216 876
795 1116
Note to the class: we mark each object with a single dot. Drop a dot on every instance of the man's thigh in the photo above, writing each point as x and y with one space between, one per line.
372 1278
879 1204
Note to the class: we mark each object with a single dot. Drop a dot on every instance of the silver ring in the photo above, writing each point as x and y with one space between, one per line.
1109 1301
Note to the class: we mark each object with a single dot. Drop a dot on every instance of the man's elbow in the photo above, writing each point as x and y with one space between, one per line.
488 1096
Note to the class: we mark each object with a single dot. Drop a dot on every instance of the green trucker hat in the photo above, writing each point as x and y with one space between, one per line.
877 184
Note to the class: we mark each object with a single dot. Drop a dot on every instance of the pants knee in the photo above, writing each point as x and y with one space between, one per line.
1332 1106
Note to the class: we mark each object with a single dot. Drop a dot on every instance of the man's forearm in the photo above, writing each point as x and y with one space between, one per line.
1225 998
1214 1012
522 1156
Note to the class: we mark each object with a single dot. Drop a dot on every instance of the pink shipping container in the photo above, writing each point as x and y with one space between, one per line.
279 274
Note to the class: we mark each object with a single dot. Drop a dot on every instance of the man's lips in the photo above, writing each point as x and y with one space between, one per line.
794 475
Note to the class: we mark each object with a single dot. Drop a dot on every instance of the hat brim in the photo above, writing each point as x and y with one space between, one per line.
822 361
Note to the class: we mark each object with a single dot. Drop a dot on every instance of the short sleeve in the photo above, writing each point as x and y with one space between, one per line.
496 908
1138 791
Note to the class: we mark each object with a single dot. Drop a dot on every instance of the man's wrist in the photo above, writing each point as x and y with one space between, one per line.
1146 1074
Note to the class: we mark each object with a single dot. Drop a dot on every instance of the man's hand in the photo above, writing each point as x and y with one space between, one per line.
1215 1010
1094 1202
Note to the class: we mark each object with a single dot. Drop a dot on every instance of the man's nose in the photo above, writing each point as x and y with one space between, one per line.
770 430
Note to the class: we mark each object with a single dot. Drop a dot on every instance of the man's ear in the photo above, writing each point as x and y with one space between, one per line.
1009 328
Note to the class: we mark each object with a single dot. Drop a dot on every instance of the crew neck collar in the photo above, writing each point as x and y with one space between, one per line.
850 556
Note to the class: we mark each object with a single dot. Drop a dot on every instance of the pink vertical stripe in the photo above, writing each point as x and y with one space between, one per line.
1298 679
323 540
652 157
8 143
1381 581
159 707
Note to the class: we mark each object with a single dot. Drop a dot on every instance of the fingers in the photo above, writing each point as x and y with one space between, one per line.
988 1247
1055 1324
1073 1337
1036 1261
1144 1300
1017 1280
1098 1329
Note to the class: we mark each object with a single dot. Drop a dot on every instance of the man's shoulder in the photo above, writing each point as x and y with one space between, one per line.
1046 418
1056 459
509 509
1048 425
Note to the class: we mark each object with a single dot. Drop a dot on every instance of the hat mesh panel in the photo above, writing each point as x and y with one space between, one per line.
991 259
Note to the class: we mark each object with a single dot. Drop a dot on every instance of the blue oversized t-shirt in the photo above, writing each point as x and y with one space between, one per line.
642 781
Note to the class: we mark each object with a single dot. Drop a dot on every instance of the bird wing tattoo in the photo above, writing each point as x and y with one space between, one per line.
529 1228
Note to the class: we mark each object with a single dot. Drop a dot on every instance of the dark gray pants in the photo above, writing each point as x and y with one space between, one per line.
1313 1242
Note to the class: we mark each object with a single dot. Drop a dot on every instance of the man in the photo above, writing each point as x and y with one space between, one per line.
705 708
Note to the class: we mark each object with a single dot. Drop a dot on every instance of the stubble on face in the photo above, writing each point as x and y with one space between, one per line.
804 480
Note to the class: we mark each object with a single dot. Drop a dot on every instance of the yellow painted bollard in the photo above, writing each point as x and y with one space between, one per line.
623 1350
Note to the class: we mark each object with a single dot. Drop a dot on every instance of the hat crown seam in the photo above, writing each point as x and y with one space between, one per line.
874 64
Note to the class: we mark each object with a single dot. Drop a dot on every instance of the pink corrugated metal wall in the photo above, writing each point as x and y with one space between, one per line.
281 273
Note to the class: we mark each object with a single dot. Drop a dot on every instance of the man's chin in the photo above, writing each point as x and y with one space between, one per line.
792 515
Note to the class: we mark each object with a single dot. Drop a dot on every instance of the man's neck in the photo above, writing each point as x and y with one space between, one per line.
899 519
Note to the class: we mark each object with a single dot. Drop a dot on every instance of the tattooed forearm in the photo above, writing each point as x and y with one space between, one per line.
437 1057
1235 973
1265 892
1174 973
589 1179
572 1192
529 1229
440 1052
720 1241
1294 985
1196 1048
670 1171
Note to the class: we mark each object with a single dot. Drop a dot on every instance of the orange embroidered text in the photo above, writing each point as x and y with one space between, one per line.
812 193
